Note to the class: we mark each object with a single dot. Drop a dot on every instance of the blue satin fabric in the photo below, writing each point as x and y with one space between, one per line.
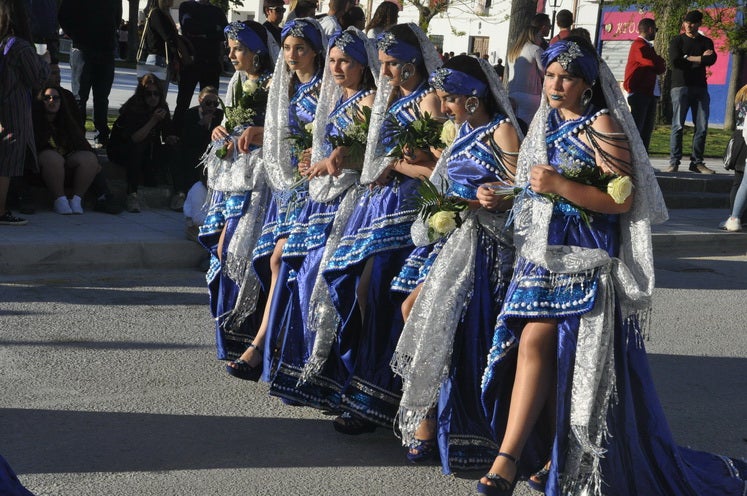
377 231
641 458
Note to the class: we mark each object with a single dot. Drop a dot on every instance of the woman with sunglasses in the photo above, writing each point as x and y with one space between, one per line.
238 194
61 146
139 135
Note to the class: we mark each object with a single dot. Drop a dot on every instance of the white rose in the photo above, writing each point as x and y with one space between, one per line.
620 188
309 127
448 132
249 86
443 222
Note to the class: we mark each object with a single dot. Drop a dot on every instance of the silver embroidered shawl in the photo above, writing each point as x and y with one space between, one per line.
629 278
423 354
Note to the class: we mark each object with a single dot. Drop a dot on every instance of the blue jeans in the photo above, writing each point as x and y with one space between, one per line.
740 200
97 74
698 101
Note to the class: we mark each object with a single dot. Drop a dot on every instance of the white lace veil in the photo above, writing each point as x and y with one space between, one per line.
376 160
629 278
424 351
276 150
326 188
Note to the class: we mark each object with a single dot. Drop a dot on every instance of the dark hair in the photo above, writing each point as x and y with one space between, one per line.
352 17
265 61
339 5
470 65
68 132
564 19
305 8
582 33
646 22
386 15
540 20
14 20
137 103
64 118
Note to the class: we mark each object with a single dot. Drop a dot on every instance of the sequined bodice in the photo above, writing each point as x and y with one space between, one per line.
302 106
342 116
565 148
404 111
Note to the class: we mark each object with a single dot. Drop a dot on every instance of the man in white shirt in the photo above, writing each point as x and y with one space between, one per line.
330 23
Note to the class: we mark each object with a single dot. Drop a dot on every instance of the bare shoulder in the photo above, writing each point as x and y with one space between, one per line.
606 124
431 104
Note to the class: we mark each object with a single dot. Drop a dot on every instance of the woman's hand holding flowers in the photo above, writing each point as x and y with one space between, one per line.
250 136
545 179
487 198
219 133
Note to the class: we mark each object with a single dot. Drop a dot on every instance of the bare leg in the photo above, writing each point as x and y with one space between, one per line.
86 167
252 355
53 172
410 301
535 369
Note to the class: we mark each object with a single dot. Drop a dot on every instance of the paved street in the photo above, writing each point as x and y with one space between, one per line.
110 386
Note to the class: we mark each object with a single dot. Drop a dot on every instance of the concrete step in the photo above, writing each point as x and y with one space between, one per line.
691 190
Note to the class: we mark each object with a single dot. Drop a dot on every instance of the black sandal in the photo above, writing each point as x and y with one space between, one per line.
242 370
351 425
499 486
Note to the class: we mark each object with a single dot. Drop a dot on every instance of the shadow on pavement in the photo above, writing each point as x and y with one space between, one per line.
688 273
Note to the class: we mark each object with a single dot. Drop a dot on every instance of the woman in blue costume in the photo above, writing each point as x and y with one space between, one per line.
348 85
235 179
442 352
568 342
376 240
291 106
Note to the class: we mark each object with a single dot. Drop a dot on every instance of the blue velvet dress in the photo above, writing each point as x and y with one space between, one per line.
224 212
303 254
641 456
464 434
378 230
280 217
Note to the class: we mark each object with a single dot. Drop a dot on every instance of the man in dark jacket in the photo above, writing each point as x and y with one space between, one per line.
641 82
93 26
690 53
202 24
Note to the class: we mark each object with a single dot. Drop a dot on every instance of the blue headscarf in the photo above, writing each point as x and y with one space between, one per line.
388 43
576 58
300 28
457 83
352 45
237 30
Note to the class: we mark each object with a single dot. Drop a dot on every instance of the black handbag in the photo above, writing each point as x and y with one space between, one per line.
736 152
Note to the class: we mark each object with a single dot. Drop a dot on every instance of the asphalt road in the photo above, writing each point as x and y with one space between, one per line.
110 386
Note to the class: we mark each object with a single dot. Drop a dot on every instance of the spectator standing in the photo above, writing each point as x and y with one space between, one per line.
353 17
525 73
641 81
21 70
124 36
93 25
161 39
331 22
499 69
62 147
690 53
202 24
564 20
273 10
542 23
302 8
738 196
385 16
44 26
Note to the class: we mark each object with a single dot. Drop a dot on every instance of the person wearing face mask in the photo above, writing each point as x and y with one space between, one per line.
443 348
61 146
374 243
139 134
238 194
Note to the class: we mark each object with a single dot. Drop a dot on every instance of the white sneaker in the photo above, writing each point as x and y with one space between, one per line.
62 206
76 206
733 224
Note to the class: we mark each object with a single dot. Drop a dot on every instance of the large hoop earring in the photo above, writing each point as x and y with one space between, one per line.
407 72
586 97
471 105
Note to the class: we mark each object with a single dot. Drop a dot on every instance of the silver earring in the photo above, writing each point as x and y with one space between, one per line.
406 73
471 105
586 97
256 62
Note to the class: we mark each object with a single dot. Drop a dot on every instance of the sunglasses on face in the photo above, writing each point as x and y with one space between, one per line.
277 9
51 98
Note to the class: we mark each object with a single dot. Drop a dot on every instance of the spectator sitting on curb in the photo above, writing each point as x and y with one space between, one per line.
62 147
138 137
199 121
